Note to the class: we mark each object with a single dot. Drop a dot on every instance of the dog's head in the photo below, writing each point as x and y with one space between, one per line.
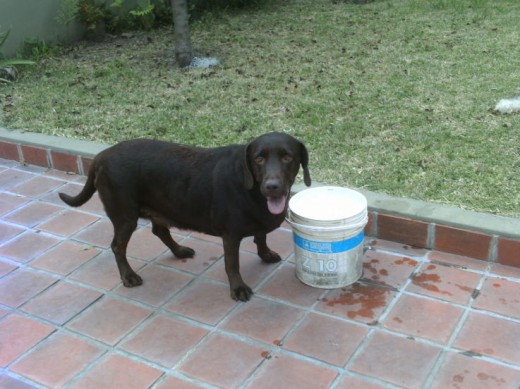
272 162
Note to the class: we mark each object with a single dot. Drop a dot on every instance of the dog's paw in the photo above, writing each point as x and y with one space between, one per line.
131 280
241 293
270 257
184 252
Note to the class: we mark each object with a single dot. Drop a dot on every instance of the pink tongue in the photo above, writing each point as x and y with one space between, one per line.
276 205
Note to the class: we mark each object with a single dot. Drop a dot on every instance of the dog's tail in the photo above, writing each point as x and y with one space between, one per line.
86 193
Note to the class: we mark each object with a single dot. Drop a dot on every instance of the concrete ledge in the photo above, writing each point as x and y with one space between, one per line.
444 214
70 146
438 213
412 222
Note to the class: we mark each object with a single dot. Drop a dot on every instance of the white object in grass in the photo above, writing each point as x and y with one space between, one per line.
508 105
203 62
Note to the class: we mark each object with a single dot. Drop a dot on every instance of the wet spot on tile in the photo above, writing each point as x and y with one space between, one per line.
428 281
499 296
489 377
365 298
372 269
458 378
464 288
407 261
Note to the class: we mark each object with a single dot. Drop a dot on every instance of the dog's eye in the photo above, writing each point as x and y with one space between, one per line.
259 160
287 159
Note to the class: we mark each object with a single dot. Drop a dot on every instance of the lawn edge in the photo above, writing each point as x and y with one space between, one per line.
412 222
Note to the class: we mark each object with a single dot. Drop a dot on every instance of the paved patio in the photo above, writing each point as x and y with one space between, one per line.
417 319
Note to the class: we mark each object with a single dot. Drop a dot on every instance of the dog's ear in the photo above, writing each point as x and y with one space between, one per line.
305 163
245 170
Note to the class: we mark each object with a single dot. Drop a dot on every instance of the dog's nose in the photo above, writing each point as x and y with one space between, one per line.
272 184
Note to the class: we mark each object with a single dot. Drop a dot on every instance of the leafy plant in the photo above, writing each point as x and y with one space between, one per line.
37 49
9 63
91 13
145 7
67 12
143 15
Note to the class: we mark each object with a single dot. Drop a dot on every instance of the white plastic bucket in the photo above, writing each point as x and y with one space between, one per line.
328 229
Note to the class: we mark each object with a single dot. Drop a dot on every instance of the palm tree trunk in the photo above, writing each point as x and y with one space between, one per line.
183 52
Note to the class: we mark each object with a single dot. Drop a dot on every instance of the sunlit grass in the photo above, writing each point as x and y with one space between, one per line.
392 96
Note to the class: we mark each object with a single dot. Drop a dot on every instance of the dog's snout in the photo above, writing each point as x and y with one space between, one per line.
273 184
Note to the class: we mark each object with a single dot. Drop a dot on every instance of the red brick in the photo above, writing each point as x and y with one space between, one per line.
61 302
9 151
284 371
359 302
34 155
21 285
445 283
491 336
223 361
57 361
124 317
331 340
158 287
263 320
164 341
413 316
17 335
500 296
64 162
402 230
86 163
194 302
370 227
285 285
462 242
400 361
509 252
117 371
388 269
461 371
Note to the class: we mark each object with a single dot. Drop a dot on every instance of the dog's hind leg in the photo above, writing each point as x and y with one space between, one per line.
164 235
123 230
264 252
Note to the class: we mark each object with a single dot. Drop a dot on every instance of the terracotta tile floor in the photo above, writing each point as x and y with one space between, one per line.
417 319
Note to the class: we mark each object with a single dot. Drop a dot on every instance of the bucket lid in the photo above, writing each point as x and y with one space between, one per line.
328 203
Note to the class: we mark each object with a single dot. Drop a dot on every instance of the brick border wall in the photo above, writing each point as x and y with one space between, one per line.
412 232
45 157
435 236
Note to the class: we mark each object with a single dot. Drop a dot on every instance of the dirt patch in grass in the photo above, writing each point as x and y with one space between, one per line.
391 96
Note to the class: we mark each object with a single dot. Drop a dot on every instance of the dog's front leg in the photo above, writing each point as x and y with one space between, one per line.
264 252
239 290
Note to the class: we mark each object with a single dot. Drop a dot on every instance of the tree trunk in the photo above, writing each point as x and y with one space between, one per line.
183 52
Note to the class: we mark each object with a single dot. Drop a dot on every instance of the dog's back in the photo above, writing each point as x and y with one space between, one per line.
181 183
232 191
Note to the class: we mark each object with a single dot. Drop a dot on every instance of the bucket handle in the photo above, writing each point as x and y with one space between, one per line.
335 228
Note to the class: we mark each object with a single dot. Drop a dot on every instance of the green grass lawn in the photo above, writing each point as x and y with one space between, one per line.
392 96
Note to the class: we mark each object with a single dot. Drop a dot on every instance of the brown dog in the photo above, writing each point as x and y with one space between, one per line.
233 192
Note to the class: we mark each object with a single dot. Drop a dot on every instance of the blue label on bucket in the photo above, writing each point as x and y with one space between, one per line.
329 247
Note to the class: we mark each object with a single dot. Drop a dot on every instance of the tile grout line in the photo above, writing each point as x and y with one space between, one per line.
493 249
159 310
431 235
455 333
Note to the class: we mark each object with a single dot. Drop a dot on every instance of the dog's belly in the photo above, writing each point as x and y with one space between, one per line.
165 221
